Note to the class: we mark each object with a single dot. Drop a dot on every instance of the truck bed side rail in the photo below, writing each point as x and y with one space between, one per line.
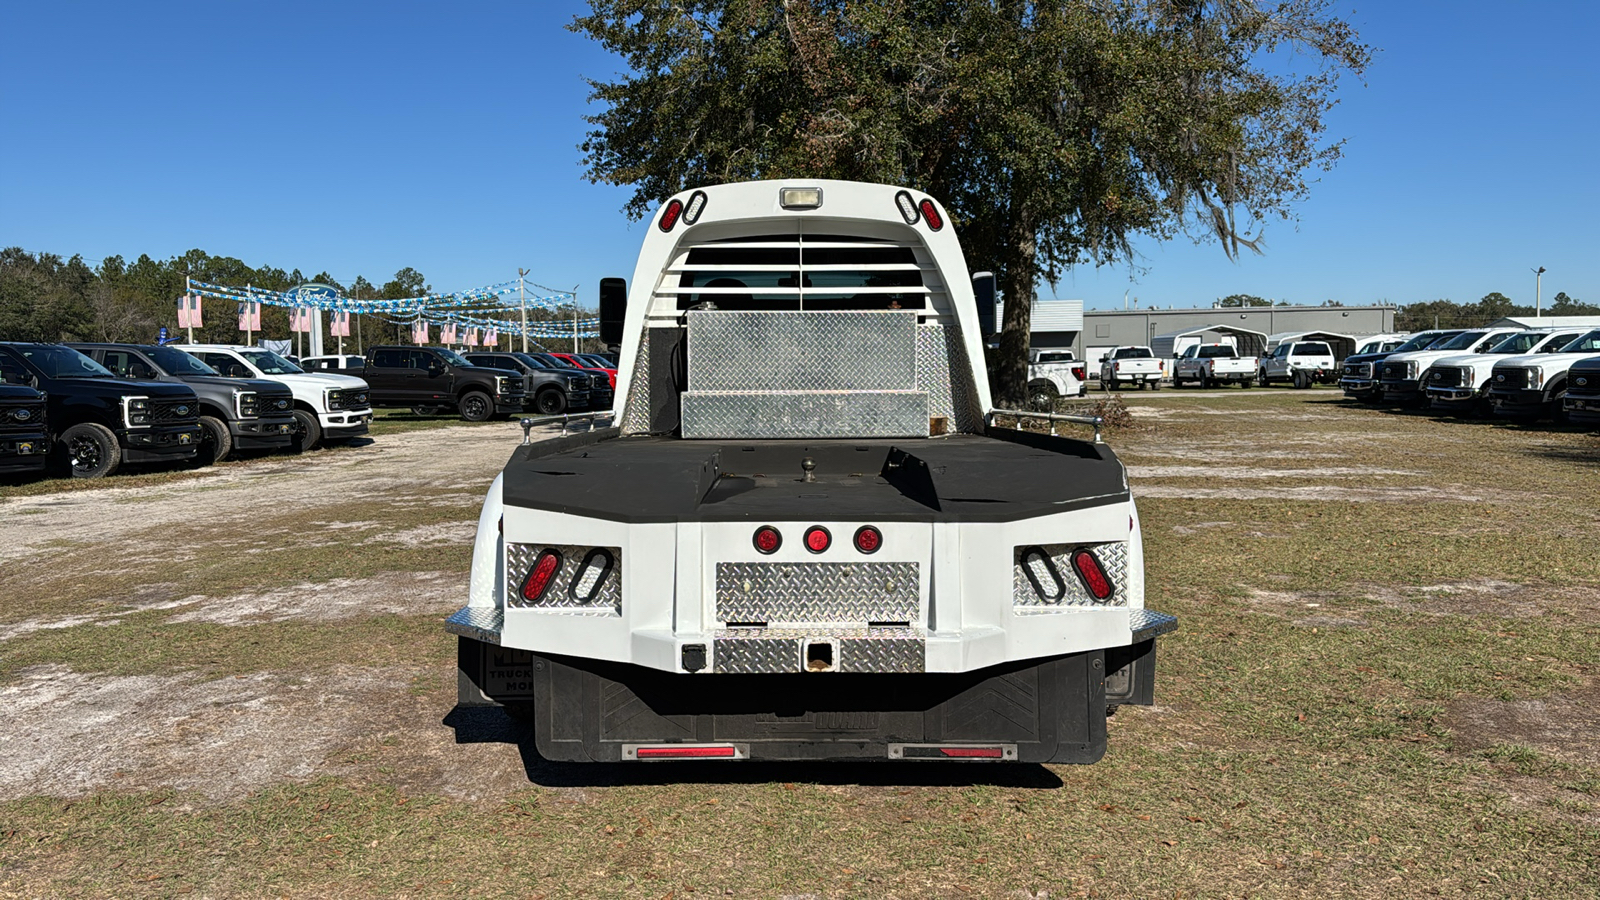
1097 421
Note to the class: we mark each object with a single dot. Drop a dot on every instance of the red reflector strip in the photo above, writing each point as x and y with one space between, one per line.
971 752
685 753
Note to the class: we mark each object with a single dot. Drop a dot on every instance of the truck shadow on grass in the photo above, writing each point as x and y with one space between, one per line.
489 725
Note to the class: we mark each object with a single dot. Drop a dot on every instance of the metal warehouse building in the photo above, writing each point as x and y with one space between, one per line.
1101 329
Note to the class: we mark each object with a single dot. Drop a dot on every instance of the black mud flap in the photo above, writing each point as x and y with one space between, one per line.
1131 674
1040 711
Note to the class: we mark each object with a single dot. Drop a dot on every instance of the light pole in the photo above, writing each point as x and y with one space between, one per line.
1538 276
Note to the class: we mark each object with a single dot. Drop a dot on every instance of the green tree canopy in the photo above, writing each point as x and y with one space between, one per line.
1238 300
1054 131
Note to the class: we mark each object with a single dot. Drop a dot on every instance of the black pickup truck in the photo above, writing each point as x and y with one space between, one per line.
431 380
24 436
235 414
99 421
551 389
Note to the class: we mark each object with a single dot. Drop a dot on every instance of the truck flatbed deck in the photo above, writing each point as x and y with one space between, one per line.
1000 476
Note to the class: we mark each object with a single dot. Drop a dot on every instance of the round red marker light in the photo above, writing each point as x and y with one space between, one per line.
818 539
767 539
868 539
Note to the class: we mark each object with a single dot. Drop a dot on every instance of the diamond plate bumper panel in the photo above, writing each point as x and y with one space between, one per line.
567 590
749 651
481 623
806 593
1113 559
1147 623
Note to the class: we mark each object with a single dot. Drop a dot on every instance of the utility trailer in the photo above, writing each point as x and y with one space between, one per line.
807 534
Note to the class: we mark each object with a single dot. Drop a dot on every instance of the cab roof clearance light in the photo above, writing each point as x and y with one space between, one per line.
931 214
697 205
800 198
908 207
670 215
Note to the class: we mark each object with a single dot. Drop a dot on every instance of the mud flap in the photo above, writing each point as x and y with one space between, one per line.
1051 710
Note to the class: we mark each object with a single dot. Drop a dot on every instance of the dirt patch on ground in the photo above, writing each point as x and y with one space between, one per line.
65 734
1481 597
396 593
1330 492
1236 472
1564 726
460 459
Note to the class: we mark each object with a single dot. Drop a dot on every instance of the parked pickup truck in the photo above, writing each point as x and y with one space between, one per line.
1209 365
1460 384
1582 403
433 380
590 362
99 421
1360 378
328 408
780 552
1532 386
550 390
24 432
1131 365
1403 375
1301 363
243 414
345 364
1053 374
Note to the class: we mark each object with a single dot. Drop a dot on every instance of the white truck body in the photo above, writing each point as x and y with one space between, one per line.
1210 365
1533 385
336 405
1461 383
1314 358
805 536
1134 365
1053 374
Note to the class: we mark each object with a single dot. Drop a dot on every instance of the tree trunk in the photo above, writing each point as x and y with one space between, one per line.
1019 269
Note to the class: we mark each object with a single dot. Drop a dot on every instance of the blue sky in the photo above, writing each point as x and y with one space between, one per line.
360 138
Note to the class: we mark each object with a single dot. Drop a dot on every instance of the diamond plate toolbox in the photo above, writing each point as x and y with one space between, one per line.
814 593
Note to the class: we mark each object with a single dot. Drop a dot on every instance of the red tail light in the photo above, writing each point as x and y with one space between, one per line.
1094 577
540 575
767 539
972 752
818 539
669 216
868 539
931 214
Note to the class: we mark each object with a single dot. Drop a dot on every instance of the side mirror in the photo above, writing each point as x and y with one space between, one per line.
613 309
983 292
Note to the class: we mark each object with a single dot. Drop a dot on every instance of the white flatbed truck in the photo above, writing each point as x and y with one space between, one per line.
808 534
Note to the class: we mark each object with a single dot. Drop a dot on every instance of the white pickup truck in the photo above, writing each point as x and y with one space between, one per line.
1053 374
327 407
1534 385
1301 363
1131 365
1209 365
1460 384
779 552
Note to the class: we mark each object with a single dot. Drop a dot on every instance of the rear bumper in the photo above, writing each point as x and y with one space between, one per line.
1231 376
1038 711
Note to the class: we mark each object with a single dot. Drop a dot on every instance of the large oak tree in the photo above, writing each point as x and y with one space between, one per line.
1055 132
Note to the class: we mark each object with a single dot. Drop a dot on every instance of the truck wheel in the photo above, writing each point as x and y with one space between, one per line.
308 431
550 402
476 406
427 410
90 451
215 442
1247 383
1041 396
1261 376
1155 385
1302 379
1207 383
